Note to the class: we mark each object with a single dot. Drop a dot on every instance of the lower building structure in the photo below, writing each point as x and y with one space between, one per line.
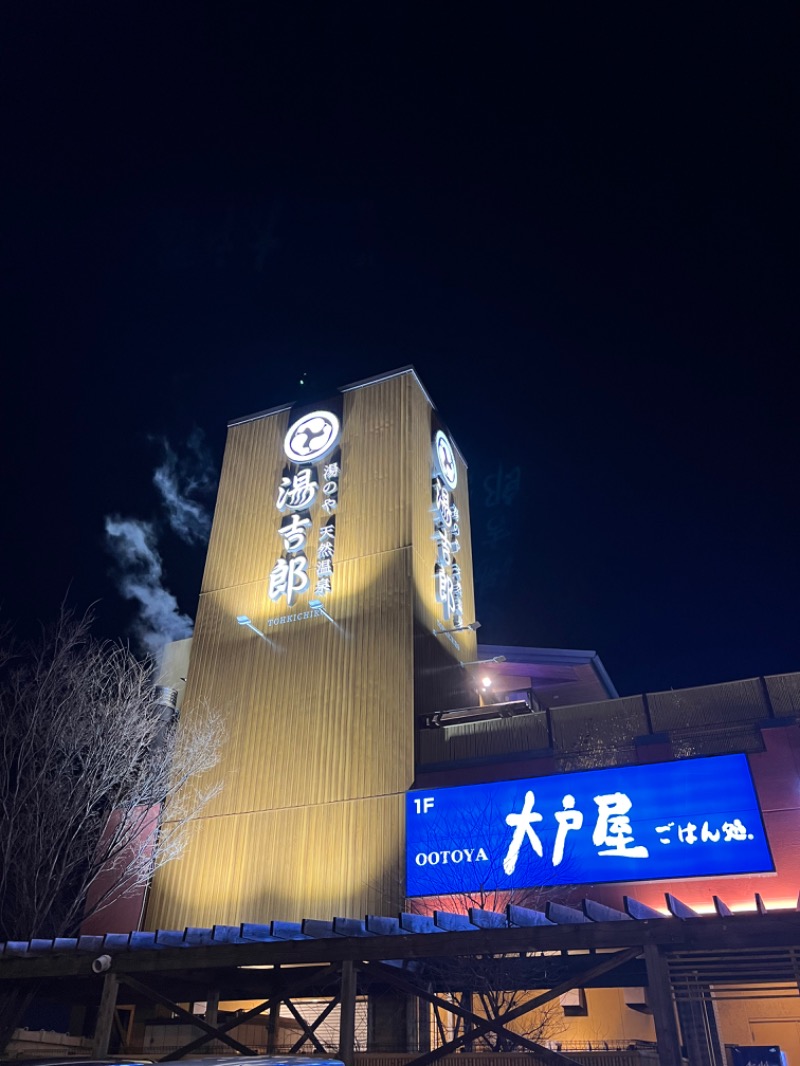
696 741
599 850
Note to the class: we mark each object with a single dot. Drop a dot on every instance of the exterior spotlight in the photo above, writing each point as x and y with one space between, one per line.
317 608
486 681
243 620
471 626
485 662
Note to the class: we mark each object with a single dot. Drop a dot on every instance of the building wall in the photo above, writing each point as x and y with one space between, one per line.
737 1013
323 736
320 716
757 716
607 1018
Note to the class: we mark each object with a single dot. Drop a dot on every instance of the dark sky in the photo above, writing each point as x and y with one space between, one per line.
580 230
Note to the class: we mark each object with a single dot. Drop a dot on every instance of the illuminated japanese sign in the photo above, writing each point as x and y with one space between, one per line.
306 486
447 572
311 437
445 460
689 818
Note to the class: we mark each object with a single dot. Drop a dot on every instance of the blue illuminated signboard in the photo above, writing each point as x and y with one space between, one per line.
690 818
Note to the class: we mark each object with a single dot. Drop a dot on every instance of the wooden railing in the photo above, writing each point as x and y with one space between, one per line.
621 1057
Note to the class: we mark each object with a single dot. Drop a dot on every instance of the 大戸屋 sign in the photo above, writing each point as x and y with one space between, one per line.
689 818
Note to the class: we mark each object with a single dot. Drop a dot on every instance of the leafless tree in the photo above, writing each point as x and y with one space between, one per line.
94 771
489 987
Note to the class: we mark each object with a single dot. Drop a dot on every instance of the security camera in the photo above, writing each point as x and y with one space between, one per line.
101 964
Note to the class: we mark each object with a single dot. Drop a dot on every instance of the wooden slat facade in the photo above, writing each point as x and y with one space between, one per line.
320 716
314 860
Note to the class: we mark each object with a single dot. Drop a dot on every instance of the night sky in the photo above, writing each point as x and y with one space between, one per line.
581 231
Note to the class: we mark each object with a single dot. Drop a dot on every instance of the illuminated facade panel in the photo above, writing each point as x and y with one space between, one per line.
315 637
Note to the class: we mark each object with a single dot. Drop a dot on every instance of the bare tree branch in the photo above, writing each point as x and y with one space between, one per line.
93 769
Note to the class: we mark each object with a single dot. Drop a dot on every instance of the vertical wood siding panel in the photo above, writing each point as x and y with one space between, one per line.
244 531
339 859
310 715
374 511
203 887
319 746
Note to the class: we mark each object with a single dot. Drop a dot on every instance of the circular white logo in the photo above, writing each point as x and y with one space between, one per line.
311 436
445 460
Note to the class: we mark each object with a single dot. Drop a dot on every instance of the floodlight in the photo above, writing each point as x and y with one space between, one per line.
316 606
485 662
471 626
243 620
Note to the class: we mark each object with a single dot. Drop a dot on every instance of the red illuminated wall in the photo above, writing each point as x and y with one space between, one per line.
776 774
124 913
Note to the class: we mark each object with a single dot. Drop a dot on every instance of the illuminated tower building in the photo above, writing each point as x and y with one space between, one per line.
334 612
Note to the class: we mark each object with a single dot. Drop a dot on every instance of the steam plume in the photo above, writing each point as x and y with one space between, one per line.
133 545
180 481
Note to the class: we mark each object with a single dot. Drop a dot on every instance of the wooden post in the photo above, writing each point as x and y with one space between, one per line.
423 1026
466 1003
105 1016
212 1007
412 1024
347 1020
660 998
274 1020
273 1024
